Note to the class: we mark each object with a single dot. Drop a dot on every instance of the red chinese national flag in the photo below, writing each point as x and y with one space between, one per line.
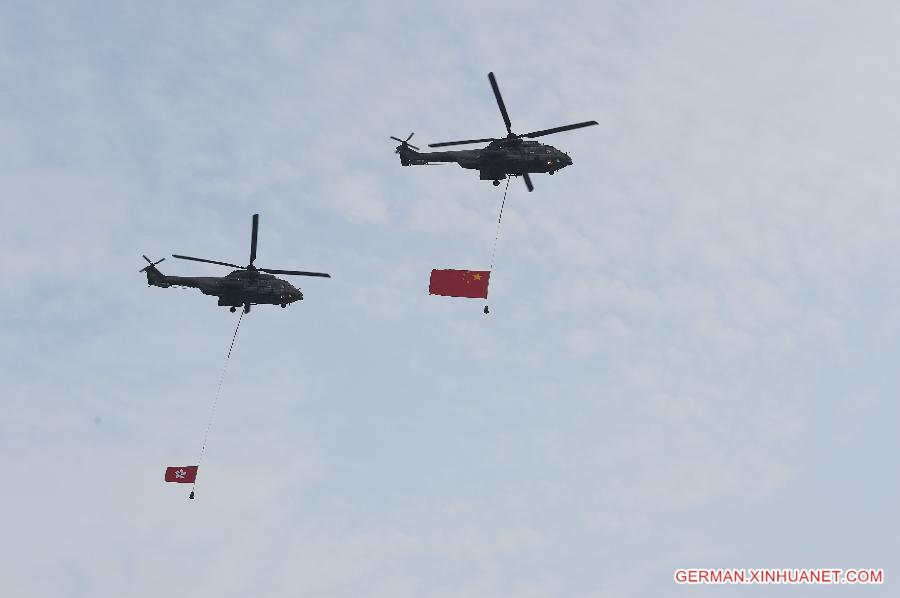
182 475
460 283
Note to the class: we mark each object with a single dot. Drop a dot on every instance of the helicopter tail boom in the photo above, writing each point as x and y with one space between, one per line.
410 156
154 276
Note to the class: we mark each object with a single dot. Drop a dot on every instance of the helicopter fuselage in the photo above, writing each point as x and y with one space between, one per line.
239 288
245 286
507 156
499 159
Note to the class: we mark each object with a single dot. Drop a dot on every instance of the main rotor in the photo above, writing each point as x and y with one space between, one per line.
251 267
509 132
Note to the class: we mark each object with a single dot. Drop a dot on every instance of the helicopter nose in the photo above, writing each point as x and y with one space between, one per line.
291 295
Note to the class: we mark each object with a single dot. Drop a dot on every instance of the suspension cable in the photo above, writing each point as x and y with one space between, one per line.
212 413
499 219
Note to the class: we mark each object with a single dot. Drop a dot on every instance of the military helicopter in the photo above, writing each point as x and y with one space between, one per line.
248 285
510 155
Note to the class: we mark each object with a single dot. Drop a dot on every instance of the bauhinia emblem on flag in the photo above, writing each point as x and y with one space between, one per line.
182 475
460 283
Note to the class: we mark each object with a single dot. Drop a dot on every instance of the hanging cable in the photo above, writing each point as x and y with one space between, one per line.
212 413
497 235
499 219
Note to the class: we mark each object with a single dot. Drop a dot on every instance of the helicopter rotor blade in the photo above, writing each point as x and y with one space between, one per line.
197 259
543 132
527 180
253 238
500 103
445 143
295 272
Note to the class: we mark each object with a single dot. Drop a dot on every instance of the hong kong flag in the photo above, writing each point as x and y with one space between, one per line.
182 475
460 283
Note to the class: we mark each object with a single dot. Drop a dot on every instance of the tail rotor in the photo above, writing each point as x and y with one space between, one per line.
154 276
151 262
404 143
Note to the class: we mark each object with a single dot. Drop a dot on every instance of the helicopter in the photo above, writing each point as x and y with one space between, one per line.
507 156
246 286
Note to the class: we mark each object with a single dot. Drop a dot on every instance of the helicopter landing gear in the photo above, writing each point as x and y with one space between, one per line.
246 308
283 305
552 171
496 183
233 309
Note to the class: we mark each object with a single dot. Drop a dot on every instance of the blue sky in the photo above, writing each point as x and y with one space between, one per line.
690 359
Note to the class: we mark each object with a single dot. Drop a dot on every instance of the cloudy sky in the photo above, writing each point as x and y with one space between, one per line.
690 359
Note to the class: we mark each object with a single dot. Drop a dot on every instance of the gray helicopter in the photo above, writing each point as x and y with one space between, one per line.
246 286
507 156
